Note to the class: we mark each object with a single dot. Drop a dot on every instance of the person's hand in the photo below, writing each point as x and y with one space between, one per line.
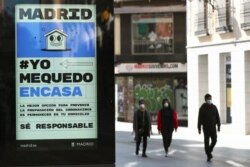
132 133
151 132
199 131
159 132
218 129
175 130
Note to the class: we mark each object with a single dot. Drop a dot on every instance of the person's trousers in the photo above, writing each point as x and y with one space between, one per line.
210 133
138 142
167 139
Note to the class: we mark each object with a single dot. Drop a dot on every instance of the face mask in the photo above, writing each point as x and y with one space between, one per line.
209 101
142 106
165 104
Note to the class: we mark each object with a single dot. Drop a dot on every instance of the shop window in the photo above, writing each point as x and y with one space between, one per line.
245 14
224 16
152 33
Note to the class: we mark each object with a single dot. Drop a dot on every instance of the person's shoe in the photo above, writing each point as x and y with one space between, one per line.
166 151
137 151
144 155
166 155
209 157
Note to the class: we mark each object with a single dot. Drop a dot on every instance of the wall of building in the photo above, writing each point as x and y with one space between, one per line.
247 89
206 58
238 34
117 37
206 74
153 78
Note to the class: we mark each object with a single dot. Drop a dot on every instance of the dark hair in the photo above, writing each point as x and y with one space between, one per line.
207 96
141 101
165 100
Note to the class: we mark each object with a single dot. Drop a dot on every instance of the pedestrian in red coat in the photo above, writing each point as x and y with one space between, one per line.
166 123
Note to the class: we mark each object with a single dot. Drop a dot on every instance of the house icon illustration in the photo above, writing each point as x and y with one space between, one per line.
56 40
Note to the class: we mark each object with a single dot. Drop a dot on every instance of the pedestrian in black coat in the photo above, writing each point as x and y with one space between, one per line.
141 127
208 118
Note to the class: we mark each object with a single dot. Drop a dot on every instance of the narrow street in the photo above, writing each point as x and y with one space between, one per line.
187 149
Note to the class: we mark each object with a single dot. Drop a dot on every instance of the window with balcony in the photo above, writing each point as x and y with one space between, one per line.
245 14
152 33
224 16
201 21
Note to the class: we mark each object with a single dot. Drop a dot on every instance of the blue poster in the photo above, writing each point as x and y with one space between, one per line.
46 39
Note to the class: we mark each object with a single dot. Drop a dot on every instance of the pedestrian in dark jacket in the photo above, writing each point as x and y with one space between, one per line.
141 127
208 118
166 123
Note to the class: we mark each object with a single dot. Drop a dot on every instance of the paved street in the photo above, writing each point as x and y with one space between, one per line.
187 149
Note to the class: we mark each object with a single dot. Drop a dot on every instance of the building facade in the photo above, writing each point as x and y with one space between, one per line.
218 58
150 56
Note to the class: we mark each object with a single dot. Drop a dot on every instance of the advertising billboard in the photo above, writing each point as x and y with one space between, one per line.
58 83
55 77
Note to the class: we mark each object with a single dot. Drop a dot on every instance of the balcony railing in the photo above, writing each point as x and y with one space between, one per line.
201 28
245 15
224 20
